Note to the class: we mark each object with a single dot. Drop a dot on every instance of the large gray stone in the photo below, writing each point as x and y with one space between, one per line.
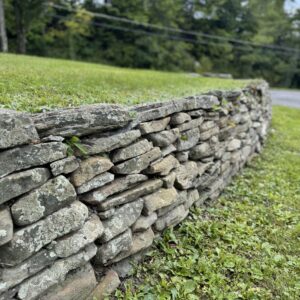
144 222
32 238
110 142
131 151
161 198
6 226
35 286
207 125
164 166
72 243
82 120
30 156
118 185
96 182
204 136
201 151
137 164
188 139
64 166
111 249
180 118
123 218
127 196
89 168
20 183
154 126
16 129
167 150
186 174
50 197
191 124
164 138
182 198
234 145
192 197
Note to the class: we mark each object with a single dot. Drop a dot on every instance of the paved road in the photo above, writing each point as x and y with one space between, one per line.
286 98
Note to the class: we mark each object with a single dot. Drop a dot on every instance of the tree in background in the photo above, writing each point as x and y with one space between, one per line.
3 36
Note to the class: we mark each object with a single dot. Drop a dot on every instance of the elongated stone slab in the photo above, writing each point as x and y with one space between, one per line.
50 197
83 120
32 238
132 194
144 222
123 218
30 156
20 183
191 124
64 166
164 138
180 118
164 166
16 129
188 139
154 126
6 226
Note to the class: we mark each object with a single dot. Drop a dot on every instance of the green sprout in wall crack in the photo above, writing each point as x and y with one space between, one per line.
74 145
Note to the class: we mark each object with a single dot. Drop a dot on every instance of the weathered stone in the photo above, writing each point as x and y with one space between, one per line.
40 283
226 133
118 185
182 156
64 166
137 164
96 182
140 241
89 168
72 243
191 124
30 156
123 218
167 150
207 125
204 136
78 285
181 199
192 197
20 183
188 139
234 145
180 118
154 126
161 198
32 238
6 227
110 142
168 181
52 138
200 151
144 222
203 167
111 249
207 159
108 284
82 120
172 218
196 113
186 174
131 151
50 197
164 166
16 129
106 214
164 138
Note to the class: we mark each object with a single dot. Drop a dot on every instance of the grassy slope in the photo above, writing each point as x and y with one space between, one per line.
31 83
245 247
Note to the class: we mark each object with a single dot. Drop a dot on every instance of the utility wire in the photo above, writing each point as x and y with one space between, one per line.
178 30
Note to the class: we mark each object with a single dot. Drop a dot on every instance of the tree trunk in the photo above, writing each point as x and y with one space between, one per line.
3 36
20 27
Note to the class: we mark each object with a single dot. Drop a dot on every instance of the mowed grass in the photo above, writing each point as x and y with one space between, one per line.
245 247
32 84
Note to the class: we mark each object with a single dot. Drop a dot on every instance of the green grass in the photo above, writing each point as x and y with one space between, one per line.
245 247
32 83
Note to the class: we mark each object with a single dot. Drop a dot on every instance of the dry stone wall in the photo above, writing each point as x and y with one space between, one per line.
68 222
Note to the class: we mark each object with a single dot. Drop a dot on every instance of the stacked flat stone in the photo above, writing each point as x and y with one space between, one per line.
69 222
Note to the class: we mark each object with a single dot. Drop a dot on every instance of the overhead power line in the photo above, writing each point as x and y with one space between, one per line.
178 30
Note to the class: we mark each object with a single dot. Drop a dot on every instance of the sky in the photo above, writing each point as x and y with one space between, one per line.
292 6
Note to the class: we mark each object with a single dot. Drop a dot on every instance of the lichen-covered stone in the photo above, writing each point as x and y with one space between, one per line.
182 156
16 129
89 168
234 145
95 182
154 126
207 125
164 138
201 151
204 136
161 198
167 150
24 157
137 164
50 197
164 166
191 124
40 283
83 120
111 249
32 238
185 175
6 226
168 181
180 118
144 222
110 142
188 139
123 218
20 183
118 185
131 151
64 166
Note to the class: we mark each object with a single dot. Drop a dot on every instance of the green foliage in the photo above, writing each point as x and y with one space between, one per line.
244 247
75 146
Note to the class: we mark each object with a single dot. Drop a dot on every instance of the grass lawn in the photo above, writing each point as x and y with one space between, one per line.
245 247
32 83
